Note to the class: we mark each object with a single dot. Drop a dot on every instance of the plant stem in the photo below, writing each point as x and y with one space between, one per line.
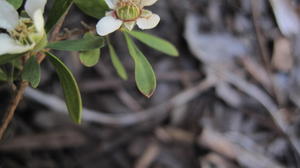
12 107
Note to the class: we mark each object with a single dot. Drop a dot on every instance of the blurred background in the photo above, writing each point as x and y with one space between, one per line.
231 100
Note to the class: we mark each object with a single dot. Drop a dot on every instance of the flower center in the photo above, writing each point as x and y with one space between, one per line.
22 32
127 11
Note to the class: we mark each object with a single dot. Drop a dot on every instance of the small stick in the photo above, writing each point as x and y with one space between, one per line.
12 108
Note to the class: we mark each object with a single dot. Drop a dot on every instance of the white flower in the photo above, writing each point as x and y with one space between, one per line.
127 13
20 34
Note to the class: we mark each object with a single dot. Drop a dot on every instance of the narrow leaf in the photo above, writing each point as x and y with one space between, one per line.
144 74
8 57
91 57
117 63
70 88
94 8
155 42
16 3
32 72
59 8
87 43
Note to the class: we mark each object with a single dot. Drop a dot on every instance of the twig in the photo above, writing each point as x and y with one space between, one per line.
157 112
148 156
12 108
271 107
262 45
221 144
58 26
260 39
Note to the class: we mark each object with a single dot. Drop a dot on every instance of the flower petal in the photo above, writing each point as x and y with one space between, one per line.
108 24
147 2
9 17
146 13
112 3
148 22
129 25
9 45
31 6
35 9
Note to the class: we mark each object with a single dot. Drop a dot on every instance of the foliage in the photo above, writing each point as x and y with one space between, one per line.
70 88
26 65
32 72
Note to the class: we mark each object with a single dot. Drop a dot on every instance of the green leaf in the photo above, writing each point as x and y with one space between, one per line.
70 88
94 8
59 8
91 57
155 42
17 63
117 63
85 44
32 72
144 74
6 58
16 3
3 75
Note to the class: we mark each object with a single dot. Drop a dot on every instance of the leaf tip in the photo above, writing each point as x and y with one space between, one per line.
176 54
124 77
148 94
79 121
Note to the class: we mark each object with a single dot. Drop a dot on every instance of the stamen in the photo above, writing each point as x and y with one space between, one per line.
127 11
22 32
